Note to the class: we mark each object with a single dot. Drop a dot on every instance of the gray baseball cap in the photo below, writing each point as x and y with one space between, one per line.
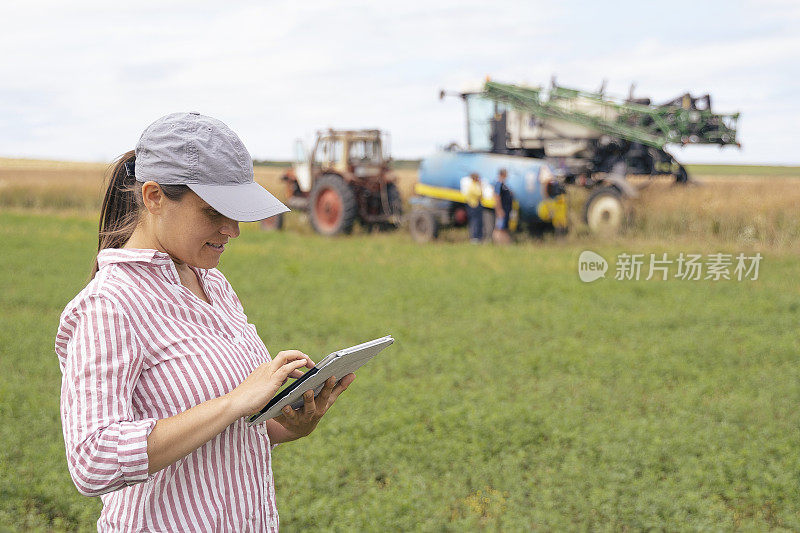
207 156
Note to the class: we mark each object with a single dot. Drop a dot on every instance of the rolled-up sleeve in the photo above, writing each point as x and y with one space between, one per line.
106 443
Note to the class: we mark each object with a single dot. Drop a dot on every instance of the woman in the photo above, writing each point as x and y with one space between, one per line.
160 365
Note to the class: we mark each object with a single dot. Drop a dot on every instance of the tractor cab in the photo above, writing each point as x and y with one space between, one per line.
357 154
345 177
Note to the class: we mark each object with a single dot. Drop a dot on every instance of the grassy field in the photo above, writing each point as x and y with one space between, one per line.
515 398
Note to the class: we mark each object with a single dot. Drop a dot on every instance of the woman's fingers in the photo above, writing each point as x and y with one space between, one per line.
257 388
325 393
283 372
289 413
309 405
289 356
332 390
292 355
341 387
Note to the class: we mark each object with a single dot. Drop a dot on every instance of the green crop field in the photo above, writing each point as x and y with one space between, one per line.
515 398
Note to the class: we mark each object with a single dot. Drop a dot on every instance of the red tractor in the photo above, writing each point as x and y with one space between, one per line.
345 177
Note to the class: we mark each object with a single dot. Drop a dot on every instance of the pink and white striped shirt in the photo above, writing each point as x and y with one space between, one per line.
136 346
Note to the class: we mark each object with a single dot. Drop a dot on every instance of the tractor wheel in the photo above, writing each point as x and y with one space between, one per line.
423 225
272 223
681 177
332 205
395 201
395 208
605 211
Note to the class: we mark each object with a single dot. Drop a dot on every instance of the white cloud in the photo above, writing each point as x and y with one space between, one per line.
81 80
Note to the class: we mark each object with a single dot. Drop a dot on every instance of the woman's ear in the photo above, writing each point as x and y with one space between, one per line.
153 197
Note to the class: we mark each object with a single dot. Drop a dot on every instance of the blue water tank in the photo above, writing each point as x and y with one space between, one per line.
445 169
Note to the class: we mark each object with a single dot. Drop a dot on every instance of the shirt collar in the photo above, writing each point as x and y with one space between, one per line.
110 256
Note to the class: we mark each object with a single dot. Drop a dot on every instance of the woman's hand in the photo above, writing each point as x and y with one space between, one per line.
299 423
261 385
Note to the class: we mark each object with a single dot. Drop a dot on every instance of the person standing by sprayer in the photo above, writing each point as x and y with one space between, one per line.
503 203
474 195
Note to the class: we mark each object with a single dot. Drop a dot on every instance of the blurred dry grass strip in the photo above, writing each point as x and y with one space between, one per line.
743 171
41 184
742 210
50 184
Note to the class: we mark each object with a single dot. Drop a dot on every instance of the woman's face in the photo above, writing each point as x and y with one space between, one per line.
193 232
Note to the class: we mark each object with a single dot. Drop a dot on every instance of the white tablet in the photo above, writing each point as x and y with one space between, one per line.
339 364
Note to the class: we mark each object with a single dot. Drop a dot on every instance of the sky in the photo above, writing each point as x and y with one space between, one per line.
80 80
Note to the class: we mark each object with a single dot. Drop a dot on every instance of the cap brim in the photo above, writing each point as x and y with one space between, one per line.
245 203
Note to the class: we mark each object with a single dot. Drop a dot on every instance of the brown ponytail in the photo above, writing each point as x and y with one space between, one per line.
122 205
